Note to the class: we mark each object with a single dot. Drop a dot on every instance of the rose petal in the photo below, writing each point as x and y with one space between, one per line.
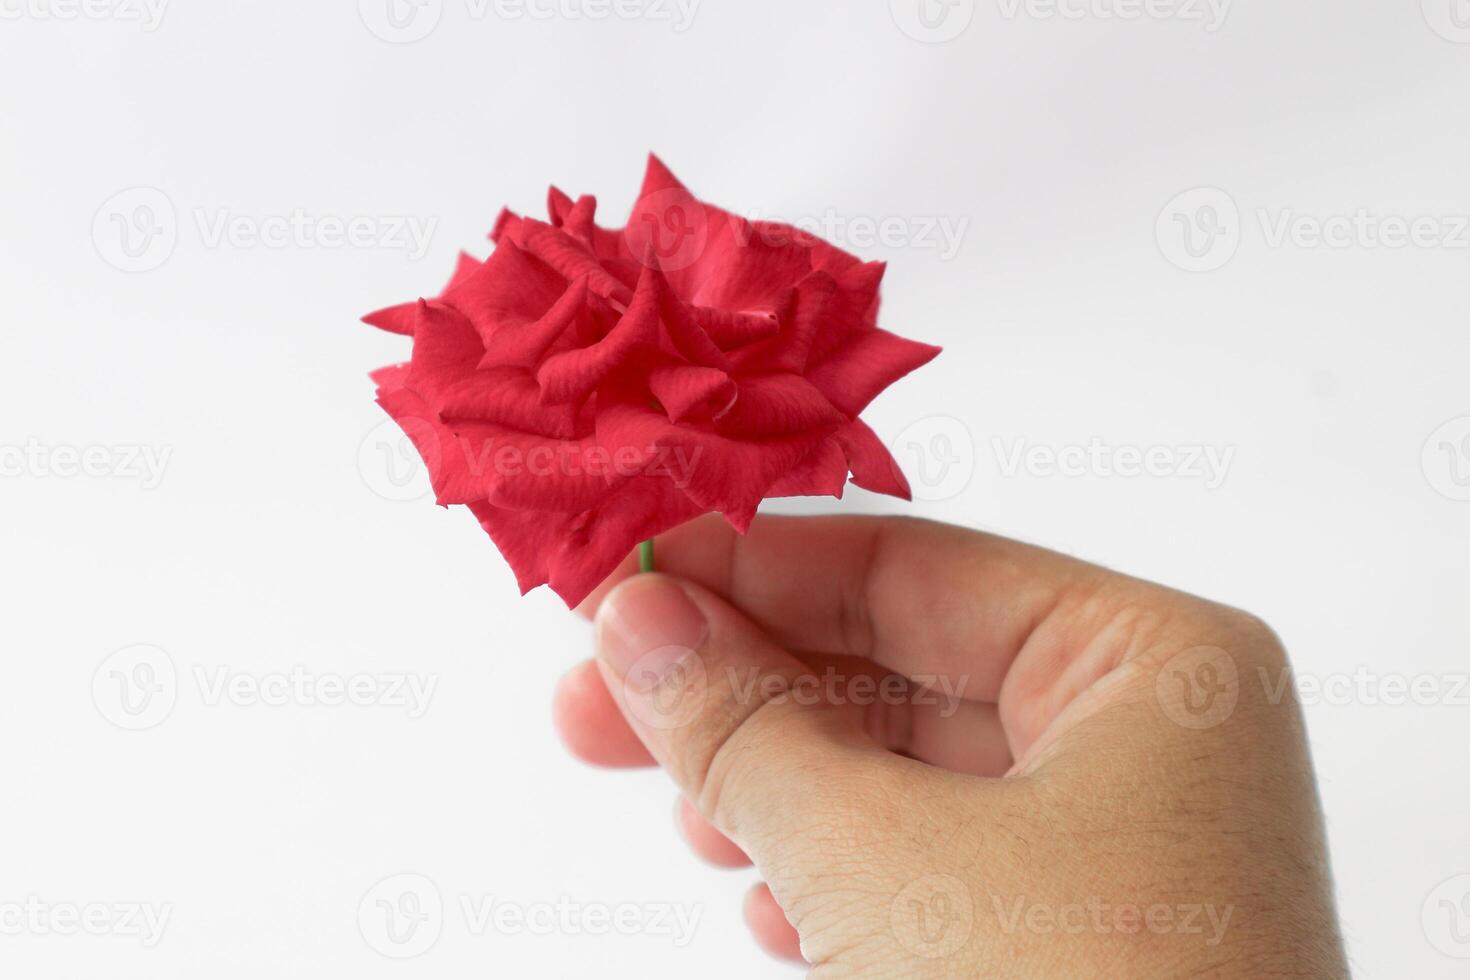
809 313
435 443
580 221
584 389
823 473
390 377
852 309
400 319
569 257
735 328
523 345
632 344
509 289
465 266
854 374
688 391
394 319
446 349
640 509
746 272
575 552
873 467
719 473
672 230
683 330
507 396
777 405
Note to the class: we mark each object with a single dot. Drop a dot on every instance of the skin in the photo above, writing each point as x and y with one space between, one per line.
953 755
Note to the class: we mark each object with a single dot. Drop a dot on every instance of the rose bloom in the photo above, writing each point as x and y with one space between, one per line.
585 389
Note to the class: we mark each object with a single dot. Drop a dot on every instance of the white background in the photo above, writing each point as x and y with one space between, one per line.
1057 143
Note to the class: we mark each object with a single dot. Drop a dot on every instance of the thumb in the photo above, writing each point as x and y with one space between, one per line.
706 690
843 831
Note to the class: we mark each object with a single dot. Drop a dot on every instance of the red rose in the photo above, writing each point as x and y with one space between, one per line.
583 389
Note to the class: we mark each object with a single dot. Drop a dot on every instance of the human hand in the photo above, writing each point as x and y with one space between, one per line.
954 755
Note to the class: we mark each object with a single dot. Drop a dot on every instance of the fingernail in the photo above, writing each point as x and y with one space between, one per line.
646 627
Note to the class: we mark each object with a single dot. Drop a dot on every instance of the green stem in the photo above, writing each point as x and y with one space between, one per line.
645 556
